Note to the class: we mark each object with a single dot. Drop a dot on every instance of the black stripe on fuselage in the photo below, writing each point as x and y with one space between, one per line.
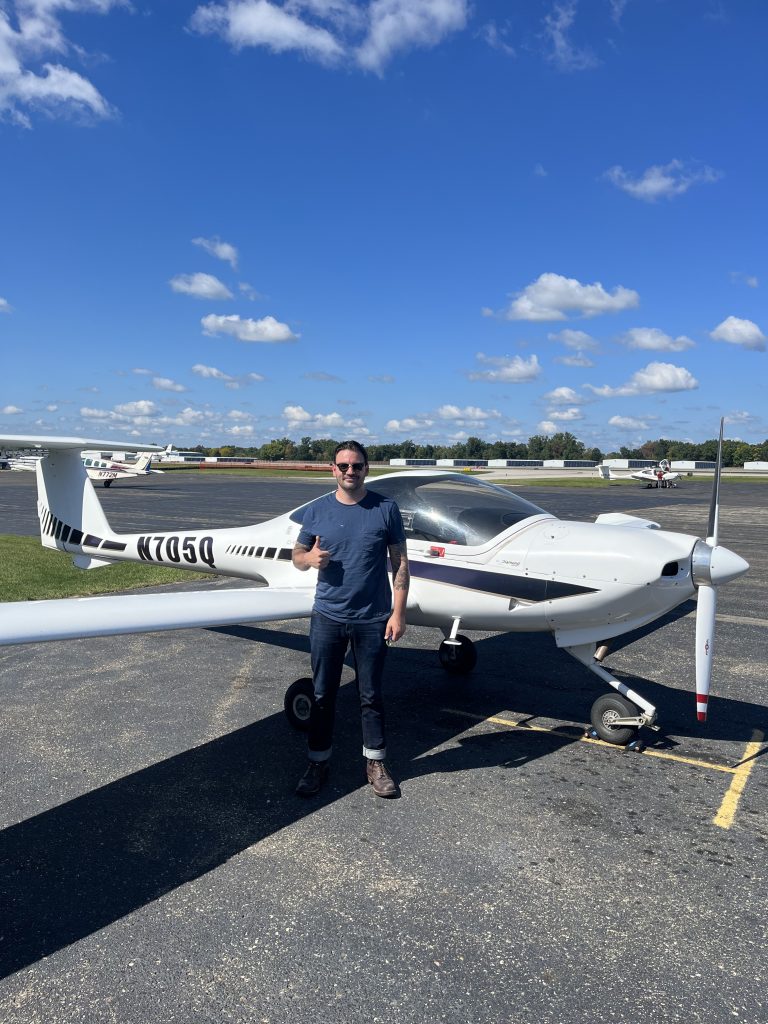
59 530
520 588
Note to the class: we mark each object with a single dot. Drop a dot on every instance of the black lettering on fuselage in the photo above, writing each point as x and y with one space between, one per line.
170 548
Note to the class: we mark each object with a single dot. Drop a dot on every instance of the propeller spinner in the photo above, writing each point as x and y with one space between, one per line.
711 566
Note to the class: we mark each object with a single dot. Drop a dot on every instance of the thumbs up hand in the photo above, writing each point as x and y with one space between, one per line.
317 557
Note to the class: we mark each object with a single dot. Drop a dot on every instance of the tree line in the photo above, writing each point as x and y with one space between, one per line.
558 446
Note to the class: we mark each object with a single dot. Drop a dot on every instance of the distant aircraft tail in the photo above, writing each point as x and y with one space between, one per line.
143 463
71 516
603 472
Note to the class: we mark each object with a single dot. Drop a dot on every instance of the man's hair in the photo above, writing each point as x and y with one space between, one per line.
351 446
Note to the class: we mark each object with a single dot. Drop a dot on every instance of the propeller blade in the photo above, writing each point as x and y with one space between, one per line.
705 644
714 505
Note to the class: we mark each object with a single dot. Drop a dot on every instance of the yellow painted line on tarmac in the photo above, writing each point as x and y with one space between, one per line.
571 735
725 816
743 620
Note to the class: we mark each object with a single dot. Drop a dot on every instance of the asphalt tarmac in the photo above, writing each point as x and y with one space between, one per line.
155 864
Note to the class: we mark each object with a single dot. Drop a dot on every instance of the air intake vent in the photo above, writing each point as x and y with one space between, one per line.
670 569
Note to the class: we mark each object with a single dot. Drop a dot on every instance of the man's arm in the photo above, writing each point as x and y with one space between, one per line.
401 578
309 558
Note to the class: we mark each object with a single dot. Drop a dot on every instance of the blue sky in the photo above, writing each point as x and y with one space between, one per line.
387 219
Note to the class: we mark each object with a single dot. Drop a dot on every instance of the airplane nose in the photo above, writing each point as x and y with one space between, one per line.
713 565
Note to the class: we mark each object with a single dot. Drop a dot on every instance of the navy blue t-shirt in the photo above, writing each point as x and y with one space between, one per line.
355 583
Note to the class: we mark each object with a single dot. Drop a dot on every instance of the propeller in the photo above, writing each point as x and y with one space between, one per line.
711 566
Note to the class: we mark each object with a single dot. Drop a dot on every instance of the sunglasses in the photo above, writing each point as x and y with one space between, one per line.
358 467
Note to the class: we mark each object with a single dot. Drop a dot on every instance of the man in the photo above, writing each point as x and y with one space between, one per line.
346 536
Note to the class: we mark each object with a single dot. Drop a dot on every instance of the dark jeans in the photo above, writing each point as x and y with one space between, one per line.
329 641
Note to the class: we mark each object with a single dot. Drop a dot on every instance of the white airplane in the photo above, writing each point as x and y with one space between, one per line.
481 557
652 476
104 470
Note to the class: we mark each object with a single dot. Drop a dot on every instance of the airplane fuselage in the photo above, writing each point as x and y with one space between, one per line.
579 581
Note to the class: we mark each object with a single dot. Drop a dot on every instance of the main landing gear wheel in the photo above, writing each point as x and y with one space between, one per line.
298 703
107 483
458 658
605 712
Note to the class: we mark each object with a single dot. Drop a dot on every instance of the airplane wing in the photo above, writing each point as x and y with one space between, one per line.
79 443
34 621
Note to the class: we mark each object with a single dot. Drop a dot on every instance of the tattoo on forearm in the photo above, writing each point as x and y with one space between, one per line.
401 575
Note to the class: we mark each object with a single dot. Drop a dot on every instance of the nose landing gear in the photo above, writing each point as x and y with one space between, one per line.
457 652
616 717
298 703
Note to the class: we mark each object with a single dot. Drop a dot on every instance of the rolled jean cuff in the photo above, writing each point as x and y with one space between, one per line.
320 755
375 755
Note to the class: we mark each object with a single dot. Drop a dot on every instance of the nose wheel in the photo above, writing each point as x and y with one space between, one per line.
297 703
458 655
609 718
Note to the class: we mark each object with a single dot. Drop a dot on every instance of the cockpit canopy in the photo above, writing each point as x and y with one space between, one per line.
448 508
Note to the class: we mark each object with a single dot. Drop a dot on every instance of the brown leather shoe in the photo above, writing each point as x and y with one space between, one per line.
313 778
379 777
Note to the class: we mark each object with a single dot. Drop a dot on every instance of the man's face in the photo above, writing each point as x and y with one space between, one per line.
355 469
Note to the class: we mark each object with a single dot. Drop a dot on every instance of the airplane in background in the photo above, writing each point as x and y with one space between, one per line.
103 470
652 476
100 469
480 556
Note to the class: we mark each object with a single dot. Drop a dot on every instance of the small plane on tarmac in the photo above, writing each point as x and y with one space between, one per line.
103 470
652 476
481 557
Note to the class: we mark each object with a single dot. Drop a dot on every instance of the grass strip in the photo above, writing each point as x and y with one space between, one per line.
30 572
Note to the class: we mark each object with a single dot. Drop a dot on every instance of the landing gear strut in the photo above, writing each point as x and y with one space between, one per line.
616 717
457 652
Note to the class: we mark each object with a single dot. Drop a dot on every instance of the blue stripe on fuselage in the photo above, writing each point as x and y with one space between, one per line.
505 584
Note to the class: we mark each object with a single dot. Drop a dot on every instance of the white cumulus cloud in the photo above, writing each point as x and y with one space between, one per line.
564 415
297 416
333 32
469 412
507 369
10 410
166 384
740 332
220 250
578 340
577 359
409 424
653 338
627 423
211 373
653 378
397 25
233 383
563 396
141 408
5 306
554 297
267 329
260 23
32 76
200 286
661 181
